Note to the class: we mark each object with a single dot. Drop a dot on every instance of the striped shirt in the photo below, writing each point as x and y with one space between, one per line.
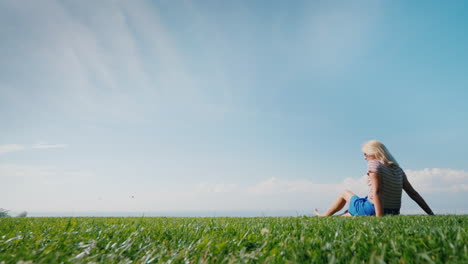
392 183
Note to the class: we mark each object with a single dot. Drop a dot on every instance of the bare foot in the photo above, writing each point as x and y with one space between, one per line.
317 212
346 214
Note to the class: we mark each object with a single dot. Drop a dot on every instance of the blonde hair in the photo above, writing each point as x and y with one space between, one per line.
374 147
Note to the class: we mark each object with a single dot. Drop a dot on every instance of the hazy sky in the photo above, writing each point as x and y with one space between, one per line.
228 105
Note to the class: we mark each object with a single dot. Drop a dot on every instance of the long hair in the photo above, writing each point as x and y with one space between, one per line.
374 147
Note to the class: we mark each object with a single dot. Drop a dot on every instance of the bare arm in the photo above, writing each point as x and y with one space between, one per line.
376 184
415 196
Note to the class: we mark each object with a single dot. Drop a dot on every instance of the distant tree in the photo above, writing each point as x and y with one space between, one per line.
3 213
22 214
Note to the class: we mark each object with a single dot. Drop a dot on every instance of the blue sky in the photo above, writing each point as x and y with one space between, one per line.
228 105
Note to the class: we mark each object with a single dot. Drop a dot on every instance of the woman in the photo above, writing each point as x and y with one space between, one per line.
386 181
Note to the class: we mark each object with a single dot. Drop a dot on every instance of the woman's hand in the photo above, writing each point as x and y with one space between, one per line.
416 196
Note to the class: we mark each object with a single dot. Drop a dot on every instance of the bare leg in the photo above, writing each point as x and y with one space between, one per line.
339 203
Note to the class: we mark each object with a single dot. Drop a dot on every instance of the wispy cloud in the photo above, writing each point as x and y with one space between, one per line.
277 186
122 59
18 147
216 187
97 60
45 145
11 148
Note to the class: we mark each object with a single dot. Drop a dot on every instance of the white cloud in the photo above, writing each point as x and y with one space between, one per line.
275 186
11 148
45 145
88 55
216 187
17 147
438 180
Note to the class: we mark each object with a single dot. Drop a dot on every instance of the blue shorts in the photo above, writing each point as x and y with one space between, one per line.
360 206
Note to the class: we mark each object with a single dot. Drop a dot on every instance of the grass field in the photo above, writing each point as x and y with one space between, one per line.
393 239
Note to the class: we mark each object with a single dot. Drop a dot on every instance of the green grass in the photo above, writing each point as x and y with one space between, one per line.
392 239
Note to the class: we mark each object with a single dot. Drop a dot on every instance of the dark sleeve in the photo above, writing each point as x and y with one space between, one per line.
403 174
